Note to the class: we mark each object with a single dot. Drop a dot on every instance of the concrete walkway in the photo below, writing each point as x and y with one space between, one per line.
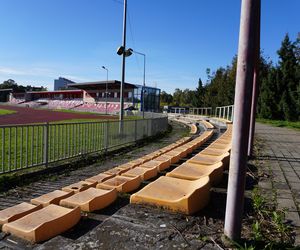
281 159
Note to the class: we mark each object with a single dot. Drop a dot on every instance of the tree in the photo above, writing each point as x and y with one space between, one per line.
197 98
166 98
288 83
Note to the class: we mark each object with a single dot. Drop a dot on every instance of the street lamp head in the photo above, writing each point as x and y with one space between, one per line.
103 67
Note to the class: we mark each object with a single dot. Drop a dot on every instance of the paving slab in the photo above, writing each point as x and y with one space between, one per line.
281 149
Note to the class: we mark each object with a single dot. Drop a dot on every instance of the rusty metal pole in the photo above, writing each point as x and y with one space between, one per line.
255 81
241 123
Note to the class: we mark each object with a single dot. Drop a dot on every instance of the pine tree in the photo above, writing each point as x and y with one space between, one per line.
288 84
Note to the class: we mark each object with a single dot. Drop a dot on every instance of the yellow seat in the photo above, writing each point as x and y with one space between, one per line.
210 159
43 224
144 173
182 150
79 186
51 198
188 148
99 178
17 211
224 140
175 156
91 199
190 171
207 124
116 171
213 151
138 161
175 194
159 165
217 145
121 183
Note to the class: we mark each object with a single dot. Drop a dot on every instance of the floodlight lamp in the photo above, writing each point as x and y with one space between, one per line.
120 50
128 52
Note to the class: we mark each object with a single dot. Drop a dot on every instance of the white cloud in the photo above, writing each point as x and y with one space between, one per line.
44 72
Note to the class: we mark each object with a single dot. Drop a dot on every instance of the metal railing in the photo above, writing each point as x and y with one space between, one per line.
205 111
25 146
225 112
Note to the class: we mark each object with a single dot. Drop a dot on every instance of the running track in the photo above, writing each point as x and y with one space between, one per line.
28 115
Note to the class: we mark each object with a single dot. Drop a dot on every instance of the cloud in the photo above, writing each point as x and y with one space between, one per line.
44 72
76 78
38 72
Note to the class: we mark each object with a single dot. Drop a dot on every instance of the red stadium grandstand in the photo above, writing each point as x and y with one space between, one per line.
101 97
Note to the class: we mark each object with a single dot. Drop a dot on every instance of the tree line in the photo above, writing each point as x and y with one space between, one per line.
16 88
279 93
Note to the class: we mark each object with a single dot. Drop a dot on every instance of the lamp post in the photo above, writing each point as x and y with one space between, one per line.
106 88
144 78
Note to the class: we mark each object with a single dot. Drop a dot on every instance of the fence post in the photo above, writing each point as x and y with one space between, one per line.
46 142
135 130
106 137
150 127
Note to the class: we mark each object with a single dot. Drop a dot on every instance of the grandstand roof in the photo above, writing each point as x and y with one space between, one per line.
111 84
6 90
55 92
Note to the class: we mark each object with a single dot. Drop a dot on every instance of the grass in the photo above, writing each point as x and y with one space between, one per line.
279 123
23 146
7 112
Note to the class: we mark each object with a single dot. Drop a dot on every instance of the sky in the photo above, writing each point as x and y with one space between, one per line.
44 39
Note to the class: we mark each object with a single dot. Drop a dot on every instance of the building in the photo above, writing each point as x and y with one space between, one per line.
61 83
100 96
134 95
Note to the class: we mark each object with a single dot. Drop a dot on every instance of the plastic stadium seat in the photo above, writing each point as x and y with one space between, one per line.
210 159
79 186
144 173
175 156
190 171
115 171
91 199
194 129
217 145
17 211
214 151
175 194
138 161
164 160
99 178
182 150
159 165
51 198
224 140
188 148
126 166
207 124
44 223
121 183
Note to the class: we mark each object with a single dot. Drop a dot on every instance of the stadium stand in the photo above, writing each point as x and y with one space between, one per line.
186 189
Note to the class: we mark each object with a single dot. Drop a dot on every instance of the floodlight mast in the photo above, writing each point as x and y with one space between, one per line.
106 88
121 115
